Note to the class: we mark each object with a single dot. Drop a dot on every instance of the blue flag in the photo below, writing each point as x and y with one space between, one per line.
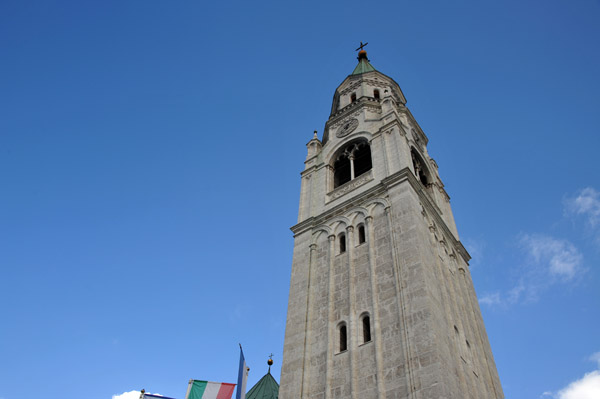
242 377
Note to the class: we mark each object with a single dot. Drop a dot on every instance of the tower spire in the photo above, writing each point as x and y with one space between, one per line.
363 62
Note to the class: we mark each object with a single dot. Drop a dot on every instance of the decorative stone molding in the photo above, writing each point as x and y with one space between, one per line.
348 127
338 122
370 104
351 185
373 82
350 88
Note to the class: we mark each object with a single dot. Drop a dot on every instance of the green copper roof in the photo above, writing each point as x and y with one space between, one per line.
363 66
265 388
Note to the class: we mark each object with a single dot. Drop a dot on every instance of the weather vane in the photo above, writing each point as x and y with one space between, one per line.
361 46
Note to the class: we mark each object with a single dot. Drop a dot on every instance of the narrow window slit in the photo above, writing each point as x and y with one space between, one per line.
366 322
343 339
342 243
361 234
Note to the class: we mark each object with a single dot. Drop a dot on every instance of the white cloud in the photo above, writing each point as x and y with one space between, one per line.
490 299
585 203
559 257
523 291
128 395
547 261
587 387
132 395
518 290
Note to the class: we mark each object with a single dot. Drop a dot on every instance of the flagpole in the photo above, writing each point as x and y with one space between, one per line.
242 376
189 388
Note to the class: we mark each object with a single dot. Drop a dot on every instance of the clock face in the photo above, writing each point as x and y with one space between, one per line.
347 127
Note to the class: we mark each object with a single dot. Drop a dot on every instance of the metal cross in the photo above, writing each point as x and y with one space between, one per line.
271 356
361 46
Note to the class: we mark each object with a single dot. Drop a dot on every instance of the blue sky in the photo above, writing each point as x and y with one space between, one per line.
150 159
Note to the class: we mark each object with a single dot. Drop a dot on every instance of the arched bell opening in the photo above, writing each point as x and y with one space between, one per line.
351 161
421 171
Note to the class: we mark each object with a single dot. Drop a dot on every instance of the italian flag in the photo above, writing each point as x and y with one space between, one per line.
209 390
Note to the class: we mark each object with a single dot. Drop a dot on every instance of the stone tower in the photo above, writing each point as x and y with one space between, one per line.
381 300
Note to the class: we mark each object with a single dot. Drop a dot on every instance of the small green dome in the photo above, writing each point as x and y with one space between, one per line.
265 388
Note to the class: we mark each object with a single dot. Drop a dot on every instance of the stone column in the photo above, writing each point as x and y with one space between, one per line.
330 322
376 333
351 329
307 324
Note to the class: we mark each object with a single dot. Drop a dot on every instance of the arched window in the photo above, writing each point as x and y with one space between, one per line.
376 94
361 234
352 97
352 161
419 166
341 169
342 243
362 159
343 338
366 325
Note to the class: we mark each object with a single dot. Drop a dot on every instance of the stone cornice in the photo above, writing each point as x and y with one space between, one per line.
339 209
380 190
358 104
309 170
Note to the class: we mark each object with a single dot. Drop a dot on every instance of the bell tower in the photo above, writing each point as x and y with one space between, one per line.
381 300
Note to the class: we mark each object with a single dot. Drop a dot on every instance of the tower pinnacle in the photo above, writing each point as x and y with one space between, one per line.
362 53
363 62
